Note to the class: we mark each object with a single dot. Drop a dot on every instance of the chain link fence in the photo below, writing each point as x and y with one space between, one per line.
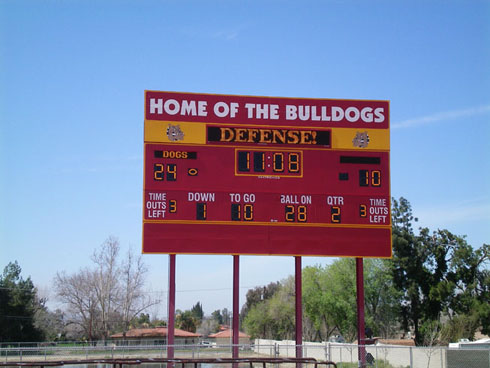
345 355
128 349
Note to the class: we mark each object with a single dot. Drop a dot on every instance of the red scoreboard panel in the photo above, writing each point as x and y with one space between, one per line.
227 174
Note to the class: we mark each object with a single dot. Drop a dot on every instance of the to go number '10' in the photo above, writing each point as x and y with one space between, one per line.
239 214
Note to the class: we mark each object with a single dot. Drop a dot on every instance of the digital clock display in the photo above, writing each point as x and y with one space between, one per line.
240 175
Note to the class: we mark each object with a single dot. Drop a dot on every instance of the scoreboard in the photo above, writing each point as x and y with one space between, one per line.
226 174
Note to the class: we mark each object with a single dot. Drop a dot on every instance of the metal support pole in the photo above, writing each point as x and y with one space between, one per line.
171 307
236 305
299 309
361 351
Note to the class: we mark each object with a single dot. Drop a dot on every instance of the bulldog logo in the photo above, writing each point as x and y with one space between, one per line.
361 140
174 133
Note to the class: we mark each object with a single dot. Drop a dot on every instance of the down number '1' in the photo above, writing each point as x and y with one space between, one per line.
201 211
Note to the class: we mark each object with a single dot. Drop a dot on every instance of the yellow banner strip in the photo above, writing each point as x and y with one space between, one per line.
157 131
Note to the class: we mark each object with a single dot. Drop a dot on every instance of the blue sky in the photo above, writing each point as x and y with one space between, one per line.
72 81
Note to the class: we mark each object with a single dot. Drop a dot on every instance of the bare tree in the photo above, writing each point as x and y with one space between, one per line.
77 292
133 299
432 334
108 296
106 282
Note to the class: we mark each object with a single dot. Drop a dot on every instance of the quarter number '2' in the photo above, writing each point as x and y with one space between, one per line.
335 214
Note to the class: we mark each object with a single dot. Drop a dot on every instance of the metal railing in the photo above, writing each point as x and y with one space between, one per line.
183 362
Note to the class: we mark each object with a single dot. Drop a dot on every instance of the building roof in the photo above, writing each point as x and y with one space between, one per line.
227 334
153 332
402 342
465 343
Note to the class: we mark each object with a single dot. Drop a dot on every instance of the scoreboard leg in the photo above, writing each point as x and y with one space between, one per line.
171 307
299 309
361 351
236 306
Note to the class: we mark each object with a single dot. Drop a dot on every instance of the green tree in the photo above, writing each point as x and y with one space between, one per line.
329 298
257 323
469 278
216 315
281 310
143 320
329 302
226 314
459 327
315 303
257 295
186 321
155 322
341 296
18 306
198 312
409 273
273 317
381 298
438 273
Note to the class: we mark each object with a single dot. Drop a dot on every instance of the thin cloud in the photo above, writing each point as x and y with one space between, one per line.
226 35
447 115
477 209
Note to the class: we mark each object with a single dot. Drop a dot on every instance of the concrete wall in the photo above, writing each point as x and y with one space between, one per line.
397 356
